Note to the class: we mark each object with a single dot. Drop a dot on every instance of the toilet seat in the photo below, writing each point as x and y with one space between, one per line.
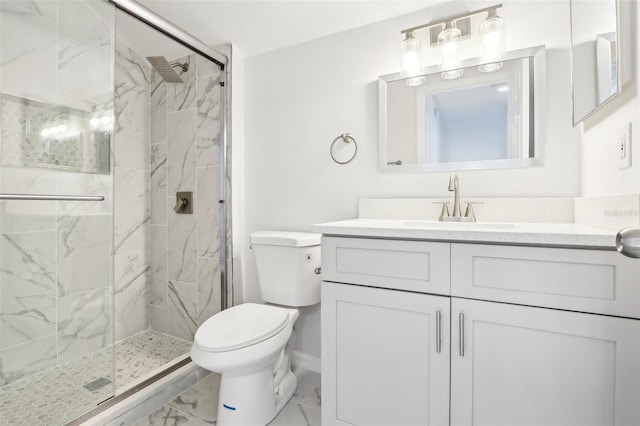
240 326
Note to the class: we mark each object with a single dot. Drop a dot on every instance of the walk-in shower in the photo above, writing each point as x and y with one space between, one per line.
102 284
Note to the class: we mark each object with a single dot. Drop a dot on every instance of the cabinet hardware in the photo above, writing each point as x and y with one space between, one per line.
438 332
461 329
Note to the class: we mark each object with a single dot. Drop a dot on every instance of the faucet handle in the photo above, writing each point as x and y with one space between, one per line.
445 210
469 212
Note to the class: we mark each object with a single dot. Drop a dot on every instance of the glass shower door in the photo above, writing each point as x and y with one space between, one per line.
56 279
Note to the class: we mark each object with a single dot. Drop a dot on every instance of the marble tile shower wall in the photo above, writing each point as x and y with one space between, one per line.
132 209
55 257
185 250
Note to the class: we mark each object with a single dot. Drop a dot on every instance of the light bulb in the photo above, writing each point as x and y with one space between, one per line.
491 33
410 60
94 122
450 61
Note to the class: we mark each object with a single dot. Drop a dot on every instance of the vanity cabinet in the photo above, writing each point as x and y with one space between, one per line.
521 365
393 352
385 357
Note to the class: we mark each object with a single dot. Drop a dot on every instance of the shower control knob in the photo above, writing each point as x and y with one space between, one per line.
628 242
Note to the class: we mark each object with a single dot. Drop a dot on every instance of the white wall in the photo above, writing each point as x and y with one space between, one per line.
300 98
601 131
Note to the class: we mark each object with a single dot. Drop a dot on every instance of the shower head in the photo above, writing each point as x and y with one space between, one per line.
165 69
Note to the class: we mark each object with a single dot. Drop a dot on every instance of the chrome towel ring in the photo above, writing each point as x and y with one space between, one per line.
346 138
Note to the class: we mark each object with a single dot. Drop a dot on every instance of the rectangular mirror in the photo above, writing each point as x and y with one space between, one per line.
482 120
595 55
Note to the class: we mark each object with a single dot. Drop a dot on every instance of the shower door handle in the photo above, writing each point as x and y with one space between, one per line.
628 242
51 197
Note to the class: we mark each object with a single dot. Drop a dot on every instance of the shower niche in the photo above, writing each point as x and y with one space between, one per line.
44 135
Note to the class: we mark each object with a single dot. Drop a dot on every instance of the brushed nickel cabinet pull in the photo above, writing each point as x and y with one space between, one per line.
461 329
438 332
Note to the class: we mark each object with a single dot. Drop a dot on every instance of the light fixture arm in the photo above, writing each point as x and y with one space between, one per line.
442 22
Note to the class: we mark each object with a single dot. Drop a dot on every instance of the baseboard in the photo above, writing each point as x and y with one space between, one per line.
306 361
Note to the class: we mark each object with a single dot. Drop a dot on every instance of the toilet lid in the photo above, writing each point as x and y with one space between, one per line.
240 326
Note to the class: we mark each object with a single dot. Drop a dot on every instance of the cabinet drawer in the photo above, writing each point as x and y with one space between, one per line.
403 265
583 280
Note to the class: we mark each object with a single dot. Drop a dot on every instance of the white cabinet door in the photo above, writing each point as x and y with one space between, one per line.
382 363
517 365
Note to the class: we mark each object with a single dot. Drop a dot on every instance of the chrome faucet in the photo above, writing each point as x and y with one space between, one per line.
454 185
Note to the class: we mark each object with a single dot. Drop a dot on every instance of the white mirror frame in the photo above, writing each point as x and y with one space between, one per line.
539 89
578 120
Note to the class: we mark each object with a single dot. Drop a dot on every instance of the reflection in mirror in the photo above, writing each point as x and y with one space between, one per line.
482 120
594 55
485 111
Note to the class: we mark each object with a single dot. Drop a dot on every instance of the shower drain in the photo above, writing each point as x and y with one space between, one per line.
96 384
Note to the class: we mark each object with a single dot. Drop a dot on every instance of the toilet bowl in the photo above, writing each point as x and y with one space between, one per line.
247 344
251 392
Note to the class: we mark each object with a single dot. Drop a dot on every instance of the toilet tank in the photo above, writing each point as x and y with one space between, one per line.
288 265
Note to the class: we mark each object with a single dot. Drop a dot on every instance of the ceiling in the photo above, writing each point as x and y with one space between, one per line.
256 27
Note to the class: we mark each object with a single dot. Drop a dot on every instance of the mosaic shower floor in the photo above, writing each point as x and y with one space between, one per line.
57 395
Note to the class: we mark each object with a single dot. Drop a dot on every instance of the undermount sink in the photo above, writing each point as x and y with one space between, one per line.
432 224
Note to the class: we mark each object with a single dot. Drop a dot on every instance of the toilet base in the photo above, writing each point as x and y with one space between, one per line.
252 399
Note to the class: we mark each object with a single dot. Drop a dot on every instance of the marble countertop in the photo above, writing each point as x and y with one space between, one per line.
538 234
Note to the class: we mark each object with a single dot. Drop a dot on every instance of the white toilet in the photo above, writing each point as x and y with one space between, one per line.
246 343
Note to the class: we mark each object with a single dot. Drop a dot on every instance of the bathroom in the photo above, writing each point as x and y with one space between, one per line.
286 105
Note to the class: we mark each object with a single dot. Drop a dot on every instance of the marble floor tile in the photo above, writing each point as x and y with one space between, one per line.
297 415
164 416
200 400
197 422
308 391
197 406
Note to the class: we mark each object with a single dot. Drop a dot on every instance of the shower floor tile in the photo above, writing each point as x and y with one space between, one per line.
143 353
55 396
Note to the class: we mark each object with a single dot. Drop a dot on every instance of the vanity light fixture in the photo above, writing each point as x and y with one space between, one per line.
447 33
491 33
450 62
410 56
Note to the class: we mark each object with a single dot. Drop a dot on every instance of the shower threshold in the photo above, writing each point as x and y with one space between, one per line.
56 395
